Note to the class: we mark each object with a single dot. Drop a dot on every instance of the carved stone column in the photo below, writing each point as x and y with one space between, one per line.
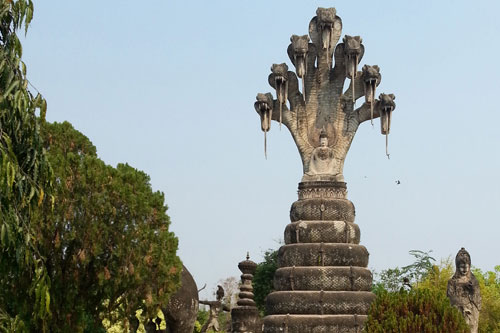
245 316
322 281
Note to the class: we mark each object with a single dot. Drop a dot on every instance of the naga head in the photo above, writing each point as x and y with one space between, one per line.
326 16
353 51
264 107
280 72
280 76
326 21
386 105
371 78
300 46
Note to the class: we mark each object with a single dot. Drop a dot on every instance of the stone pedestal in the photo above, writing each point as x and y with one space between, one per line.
322 283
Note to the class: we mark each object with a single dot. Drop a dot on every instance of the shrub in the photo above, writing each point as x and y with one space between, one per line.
420 310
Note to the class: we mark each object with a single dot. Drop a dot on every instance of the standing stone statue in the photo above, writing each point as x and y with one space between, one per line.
322 283
463 290
215 308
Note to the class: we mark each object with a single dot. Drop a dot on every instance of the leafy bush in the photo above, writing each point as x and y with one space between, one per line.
420 310
263 279
489 316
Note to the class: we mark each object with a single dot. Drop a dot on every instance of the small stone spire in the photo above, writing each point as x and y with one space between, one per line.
248 268
245 316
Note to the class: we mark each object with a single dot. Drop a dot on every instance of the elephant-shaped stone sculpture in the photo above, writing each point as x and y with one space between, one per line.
181 311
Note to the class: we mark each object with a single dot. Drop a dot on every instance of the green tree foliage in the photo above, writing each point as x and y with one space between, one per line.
438 276
435 281
489 316
24 181
393 279
263 279
419 310
107 241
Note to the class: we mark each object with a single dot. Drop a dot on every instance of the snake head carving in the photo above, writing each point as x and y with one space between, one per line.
264 107
279 76
371 79
386 105
326 21
353 52
298 53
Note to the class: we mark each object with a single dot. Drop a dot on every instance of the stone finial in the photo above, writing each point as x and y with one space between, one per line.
463 290
247 267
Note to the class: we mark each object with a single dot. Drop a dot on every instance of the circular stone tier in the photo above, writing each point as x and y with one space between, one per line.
322 209
319 302
314 323
323 278
322 231
322 254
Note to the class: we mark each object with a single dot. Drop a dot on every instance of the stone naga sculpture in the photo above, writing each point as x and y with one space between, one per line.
463 290
323 103
322 283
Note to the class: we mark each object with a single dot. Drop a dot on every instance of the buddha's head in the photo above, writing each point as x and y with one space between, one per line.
323 139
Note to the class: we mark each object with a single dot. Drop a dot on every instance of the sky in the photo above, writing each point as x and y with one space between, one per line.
169 87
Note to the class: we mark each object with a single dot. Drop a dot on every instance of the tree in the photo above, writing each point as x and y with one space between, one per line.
263 279
25 180
393 279
435 281
489 316
108 246
231 288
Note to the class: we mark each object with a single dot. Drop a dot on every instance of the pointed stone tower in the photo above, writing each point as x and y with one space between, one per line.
245 316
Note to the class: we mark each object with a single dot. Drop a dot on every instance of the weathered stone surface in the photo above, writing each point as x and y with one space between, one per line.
245 319
319 302
323 278
314 323
322 117
182 308
321 209
245 316
322 232
463 290
323 254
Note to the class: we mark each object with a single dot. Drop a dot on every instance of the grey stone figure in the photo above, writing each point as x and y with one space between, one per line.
182 309
215 308
463 290
322 283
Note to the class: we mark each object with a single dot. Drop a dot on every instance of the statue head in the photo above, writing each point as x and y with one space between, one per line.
323 139
462 262
326 16
220 293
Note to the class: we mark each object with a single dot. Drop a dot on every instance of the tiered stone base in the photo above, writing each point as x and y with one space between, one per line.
322 283
314 323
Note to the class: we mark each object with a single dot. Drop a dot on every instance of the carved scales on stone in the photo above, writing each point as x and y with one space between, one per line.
322 283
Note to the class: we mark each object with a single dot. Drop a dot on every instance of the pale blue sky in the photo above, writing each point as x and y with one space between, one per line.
169 87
